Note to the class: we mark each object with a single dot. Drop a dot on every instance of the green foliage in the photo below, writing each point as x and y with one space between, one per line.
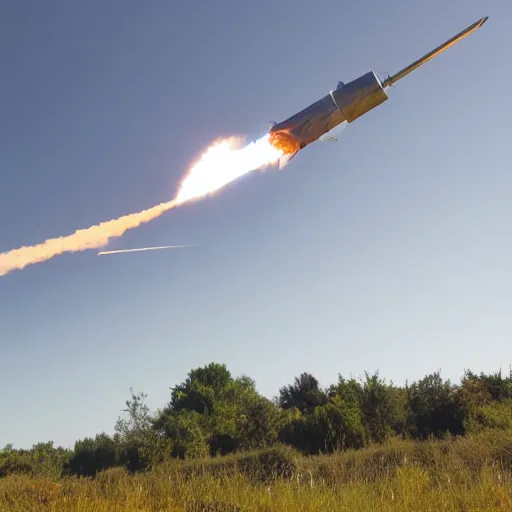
214 411
339 426
435 408
334 426
92 456
205 387
383 408
278 462
304 394
498 387
12 463
139 445
258 423
464 474
42 460
301 432
493 416
270 464
215 414
184 429
350 391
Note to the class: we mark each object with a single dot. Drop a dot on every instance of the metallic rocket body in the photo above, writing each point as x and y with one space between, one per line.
346 103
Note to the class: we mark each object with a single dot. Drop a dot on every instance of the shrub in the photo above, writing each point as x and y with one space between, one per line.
279 462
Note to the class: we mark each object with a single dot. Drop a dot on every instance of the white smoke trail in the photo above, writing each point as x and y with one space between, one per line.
90 238
142 249
221 163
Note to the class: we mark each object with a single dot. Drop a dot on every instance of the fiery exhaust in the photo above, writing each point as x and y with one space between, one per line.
221 163
224 162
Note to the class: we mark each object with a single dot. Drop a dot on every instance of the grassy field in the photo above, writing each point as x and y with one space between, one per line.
467 474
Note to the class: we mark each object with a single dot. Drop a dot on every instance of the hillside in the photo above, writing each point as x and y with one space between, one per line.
465 474
355 445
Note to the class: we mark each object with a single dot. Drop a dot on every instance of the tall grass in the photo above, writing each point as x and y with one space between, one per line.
471 474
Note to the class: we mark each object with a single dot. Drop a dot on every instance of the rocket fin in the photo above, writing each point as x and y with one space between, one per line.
332 135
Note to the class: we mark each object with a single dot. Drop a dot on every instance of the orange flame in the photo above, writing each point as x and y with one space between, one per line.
224 162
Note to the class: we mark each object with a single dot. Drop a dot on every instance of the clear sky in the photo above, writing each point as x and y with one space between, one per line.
388 250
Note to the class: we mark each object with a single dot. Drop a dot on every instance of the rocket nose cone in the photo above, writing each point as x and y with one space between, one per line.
482 21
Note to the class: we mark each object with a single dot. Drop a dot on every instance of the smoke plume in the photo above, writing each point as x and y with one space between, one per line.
220 164
90 238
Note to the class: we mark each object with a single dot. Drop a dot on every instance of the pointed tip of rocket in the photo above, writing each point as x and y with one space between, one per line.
390 80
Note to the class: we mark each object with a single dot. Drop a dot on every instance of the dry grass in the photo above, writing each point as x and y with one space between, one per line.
464 475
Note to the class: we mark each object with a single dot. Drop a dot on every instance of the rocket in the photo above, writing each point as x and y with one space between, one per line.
345 104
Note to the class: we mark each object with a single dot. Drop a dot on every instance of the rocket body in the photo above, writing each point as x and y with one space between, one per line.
346 103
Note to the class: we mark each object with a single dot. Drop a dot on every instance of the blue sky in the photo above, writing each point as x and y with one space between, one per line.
389 250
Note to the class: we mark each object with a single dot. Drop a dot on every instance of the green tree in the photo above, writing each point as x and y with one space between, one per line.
92 455
301 431
42 460
304 394
141 446
335 425
202 388
492 416
435 408
495 385
339 425
349 390
258 423
48 460
383 407
185 428
15 462
218 400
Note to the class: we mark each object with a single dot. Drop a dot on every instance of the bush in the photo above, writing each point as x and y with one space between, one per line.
92 456
42 460
465 473
14 464
331 427
493 416
279 462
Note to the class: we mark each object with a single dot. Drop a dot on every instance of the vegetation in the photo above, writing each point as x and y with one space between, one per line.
460 474
366 444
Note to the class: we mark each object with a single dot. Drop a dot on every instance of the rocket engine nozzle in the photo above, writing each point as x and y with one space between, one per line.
284 141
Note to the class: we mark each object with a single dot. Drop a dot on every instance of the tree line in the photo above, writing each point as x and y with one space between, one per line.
213 413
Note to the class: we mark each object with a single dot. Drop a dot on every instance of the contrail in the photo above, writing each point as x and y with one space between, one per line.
145 249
